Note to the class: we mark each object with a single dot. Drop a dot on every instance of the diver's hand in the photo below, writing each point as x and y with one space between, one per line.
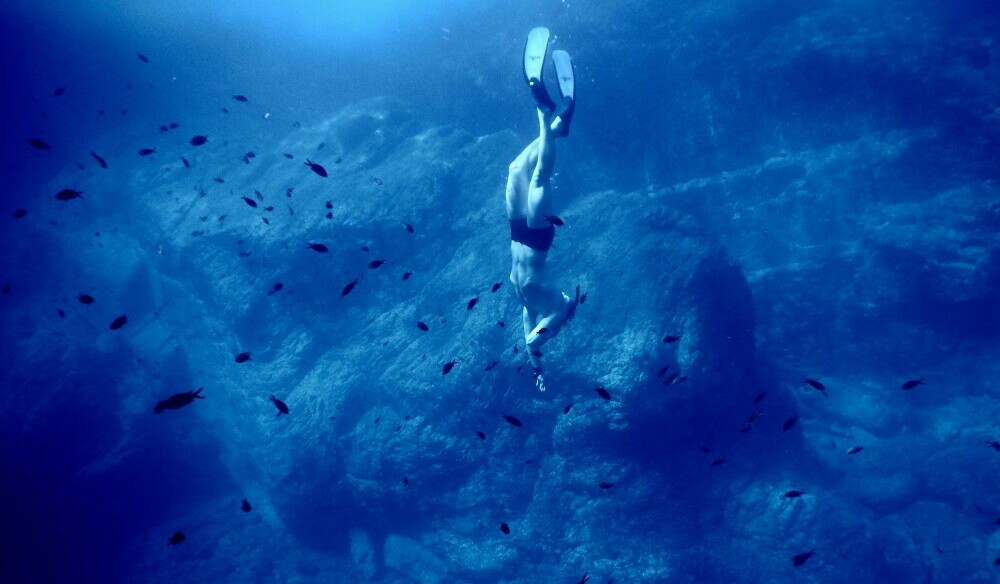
540 382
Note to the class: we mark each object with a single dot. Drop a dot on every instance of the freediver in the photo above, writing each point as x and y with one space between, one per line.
529 204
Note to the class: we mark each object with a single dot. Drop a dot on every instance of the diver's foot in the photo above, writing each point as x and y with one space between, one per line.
535 50
567 88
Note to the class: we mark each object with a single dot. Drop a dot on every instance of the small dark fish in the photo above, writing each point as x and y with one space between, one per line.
448 367
515 349
242 357
481 434
246 506
377 180
512 420
717 462
406 275
816 385
85 299
62 313
996 562
753 417
554 220
118 322
282 408
100 161
318 247
39 144
913 383
583 298
174 125
164 129
186 163
789 423
760 397
602 392
994 444
277 287
422 326
58 91
679 380
147 151
408 227
242 98
793 494
501 324
490 366
69 195
505 528
178 400
219 180
662 371
472 303
288 156
260 195
350 286
145 59
855 449
496 286
406 481
265 220
606 485
669 379
329 205
374 264
224 110
537 353
19 213
179 537
198 140
799 559
316 168
671 339
250 202
568 407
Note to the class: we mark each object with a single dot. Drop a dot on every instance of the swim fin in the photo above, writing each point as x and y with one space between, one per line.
567 87
535 49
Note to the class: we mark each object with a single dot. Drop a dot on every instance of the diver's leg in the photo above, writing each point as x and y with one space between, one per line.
519 176
539 201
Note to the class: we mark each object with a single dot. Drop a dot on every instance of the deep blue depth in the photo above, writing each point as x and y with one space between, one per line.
795 190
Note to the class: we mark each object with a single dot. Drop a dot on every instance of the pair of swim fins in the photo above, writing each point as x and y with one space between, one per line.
535 50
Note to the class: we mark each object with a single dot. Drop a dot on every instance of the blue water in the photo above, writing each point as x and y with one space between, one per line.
797 190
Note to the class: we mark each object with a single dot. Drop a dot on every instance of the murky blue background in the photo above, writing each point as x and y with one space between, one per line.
795 189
